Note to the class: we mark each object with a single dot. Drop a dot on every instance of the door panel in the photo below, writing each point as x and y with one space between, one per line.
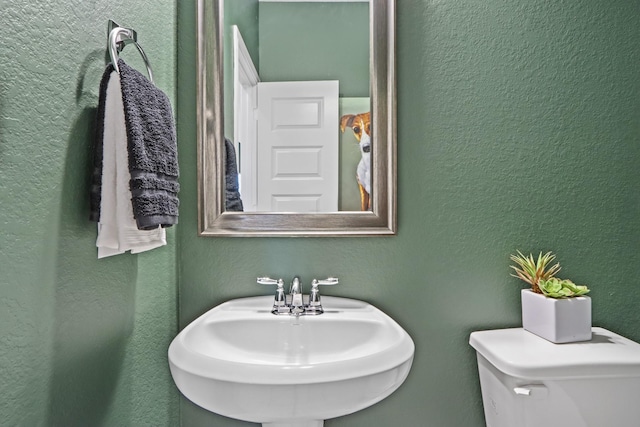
298 146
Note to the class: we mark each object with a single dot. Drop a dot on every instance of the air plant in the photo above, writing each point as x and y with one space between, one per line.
540 274
532 271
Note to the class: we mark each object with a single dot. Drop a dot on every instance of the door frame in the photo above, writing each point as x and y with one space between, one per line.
245 102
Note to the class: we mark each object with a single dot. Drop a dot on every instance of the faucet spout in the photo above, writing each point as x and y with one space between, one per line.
297 303
296 286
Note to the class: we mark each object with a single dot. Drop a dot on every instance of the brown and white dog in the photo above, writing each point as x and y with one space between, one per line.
360 124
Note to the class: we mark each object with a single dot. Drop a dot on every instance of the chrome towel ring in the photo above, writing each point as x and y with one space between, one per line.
119 37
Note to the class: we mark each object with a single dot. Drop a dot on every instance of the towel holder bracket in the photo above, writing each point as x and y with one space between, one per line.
119 37
123 36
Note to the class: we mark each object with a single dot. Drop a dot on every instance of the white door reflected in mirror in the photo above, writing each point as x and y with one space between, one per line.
297 148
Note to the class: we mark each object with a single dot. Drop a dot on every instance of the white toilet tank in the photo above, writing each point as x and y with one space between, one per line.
528 381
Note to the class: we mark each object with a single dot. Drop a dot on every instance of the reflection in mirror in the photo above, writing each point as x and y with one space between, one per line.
306 86
284 71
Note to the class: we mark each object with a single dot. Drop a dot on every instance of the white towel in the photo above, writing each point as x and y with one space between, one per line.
117 229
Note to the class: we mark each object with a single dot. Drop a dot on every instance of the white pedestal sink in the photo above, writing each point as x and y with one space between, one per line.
243 362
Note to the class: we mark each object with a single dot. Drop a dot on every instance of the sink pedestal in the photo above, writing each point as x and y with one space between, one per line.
299 423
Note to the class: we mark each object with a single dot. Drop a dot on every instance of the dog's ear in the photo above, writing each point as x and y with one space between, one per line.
346 121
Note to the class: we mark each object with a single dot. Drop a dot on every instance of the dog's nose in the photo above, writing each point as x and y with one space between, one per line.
366 149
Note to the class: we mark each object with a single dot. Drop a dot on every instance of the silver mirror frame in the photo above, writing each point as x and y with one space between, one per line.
214 221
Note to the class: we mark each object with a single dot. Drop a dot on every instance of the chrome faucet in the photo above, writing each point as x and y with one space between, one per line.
294 304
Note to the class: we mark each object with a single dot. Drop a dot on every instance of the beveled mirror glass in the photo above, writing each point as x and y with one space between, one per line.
301 211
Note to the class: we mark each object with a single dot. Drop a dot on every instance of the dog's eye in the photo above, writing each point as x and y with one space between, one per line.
356 129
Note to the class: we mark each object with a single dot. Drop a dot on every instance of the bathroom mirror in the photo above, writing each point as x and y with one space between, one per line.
375 216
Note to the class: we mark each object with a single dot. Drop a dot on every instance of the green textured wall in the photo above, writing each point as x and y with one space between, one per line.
518 127
82 342
339 54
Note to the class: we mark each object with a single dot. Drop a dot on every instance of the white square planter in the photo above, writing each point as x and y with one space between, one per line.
557 320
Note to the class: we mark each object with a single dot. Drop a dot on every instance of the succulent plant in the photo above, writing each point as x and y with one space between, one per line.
540 274
533 271
559 288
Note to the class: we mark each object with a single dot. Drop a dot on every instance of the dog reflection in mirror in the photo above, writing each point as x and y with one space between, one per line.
360 124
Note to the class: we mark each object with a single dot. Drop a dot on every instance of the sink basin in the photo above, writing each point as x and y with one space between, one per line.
243 362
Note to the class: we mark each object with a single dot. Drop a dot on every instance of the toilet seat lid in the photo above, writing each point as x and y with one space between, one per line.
522 354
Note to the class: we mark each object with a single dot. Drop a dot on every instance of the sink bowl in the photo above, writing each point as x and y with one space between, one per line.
243 362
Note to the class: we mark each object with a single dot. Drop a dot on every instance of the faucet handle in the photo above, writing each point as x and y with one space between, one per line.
279 302
269 281
315 307
329 281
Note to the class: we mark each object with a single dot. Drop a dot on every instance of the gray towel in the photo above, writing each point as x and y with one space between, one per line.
95 195
233 202
153 152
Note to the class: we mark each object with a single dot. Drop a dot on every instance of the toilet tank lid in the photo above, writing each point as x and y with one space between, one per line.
522 354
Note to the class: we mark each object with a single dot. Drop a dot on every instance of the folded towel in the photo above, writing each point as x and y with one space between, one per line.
117 228
233 202
153 152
